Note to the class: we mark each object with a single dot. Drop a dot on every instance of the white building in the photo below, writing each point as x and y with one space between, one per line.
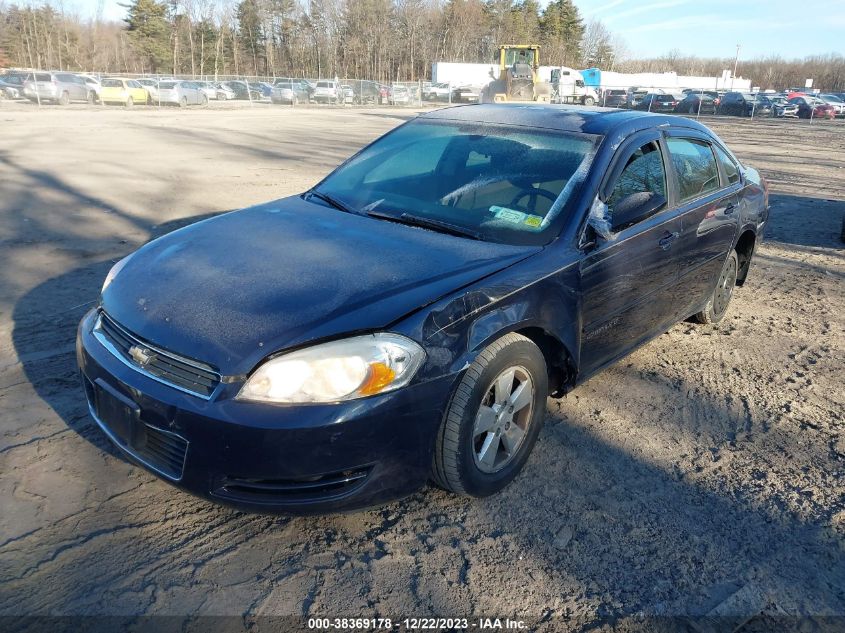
461 74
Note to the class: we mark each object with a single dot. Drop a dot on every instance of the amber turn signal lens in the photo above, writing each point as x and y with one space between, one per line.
379 377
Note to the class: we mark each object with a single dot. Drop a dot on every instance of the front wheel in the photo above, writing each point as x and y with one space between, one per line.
64 99
204 100
589 101
717 304
493 420
183 102
129 102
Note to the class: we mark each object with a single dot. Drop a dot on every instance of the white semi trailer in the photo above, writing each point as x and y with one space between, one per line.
568 86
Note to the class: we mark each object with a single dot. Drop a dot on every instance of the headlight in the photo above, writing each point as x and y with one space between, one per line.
340 370
113 272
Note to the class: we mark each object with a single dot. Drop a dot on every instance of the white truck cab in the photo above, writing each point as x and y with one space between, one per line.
568 87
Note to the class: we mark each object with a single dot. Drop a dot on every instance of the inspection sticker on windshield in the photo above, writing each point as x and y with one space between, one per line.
508 215
516 217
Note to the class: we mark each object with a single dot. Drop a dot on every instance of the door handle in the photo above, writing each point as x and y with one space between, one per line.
730 208
667 239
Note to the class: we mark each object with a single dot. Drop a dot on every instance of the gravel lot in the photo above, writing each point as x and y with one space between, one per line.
702 475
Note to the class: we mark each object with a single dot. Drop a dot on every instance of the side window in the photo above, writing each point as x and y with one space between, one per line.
475 158
695 167
728 165
643 173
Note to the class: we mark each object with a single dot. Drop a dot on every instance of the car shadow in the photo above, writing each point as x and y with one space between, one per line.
805 221
44 334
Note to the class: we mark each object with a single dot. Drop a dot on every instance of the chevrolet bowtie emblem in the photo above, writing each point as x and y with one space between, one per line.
141 355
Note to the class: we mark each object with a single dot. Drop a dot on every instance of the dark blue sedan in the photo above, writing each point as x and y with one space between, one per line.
406 319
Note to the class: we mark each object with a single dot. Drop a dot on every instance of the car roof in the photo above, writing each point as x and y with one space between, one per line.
589 120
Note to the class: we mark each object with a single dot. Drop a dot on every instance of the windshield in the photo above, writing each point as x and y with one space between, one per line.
112 83
505 183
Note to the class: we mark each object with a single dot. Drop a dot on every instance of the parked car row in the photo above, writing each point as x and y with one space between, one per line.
734 103
63 88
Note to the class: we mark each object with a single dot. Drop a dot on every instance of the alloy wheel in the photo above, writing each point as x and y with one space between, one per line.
503 419
725 287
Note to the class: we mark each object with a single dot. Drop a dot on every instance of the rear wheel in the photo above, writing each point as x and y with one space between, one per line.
588 101
204 100
183 102
493 419
91 98
130 102
717 304
64 99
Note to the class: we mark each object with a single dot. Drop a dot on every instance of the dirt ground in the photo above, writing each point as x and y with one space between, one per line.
702 475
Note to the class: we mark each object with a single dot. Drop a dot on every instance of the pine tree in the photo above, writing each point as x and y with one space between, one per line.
562 29
149 32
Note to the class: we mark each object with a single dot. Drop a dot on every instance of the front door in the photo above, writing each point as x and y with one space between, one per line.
629 282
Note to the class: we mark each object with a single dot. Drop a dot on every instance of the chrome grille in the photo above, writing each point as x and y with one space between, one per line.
185 374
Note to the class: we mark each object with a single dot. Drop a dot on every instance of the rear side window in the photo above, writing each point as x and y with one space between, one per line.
695 167
643 173
728 165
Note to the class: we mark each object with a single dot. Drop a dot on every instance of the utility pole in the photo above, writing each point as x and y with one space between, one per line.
736 63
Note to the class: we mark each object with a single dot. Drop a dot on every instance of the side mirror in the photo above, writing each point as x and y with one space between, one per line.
636 207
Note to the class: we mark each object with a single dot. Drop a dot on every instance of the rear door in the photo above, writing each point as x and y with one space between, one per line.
136 91
707 185
628 282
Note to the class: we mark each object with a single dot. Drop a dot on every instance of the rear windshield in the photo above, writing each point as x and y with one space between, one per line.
506 183
167 84
112 83
325 84
285 86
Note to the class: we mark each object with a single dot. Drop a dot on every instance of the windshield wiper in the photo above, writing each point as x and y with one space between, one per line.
337 204
427 223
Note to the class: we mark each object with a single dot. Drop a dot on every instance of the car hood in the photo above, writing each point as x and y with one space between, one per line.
232 289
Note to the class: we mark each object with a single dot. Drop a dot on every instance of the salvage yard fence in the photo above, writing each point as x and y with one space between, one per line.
694 102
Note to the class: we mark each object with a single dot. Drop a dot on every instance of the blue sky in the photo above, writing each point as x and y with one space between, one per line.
708 28
713 28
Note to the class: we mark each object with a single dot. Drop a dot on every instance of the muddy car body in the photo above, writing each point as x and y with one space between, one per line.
240 392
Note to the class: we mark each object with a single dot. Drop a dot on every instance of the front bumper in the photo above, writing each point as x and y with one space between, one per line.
274 459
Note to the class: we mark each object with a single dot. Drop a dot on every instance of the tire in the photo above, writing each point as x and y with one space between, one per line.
717 303
588 101
130 102
64 99
204 100
457 465
92 98
691 109
183 102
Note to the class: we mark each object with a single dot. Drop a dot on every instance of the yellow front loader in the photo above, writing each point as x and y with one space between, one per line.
518 79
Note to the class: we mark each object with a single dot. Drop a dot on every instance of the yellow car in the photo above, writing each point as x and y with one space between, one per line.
125 91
